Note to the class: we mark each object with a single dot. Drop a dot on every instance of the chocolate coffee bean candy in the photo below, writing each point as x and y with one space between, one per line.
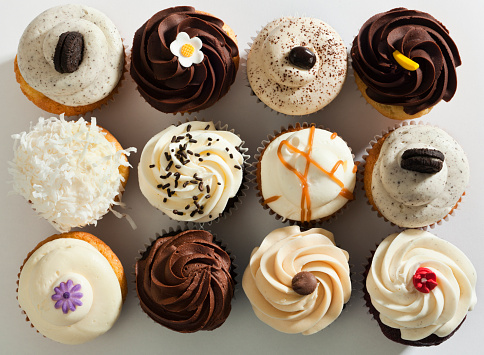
68 52
422 160
302 57
304 283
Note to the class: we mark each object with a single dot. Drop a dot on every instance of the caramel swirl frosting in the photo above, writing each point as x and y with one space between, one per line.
419 37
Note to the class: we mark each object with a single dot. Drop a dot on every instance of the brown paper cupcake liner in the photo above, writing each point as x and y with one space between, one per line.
361 176
256 179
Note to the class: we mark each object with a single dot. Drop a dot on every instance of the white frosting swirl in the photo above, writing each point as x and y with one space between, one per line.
286 88
280 183
401 305
103 57
411 199
267 281
193 177
69 171
58 261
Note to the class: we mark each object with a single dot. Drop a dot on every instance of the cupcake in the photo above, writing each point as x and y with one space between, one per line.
185 281
72 287
404 63
305 174
184 60
70 60
415 175
297 65
419 288
298 282
193 172
72 173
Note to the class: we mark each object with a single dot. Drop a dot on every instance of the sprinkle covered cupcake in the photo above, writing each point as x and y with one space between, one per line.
419 288
70 60
185 281
72 173
415 175
193 172
297 65
405 63
72 287
305 174
184 60
298 282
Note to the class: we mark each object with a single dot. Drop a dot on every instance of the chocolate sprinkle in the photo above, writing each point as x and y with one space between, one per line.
200 186
152 166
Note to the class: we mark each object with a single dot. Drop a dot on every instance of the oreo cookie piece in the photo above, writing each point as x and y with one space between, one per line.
68 52
422 160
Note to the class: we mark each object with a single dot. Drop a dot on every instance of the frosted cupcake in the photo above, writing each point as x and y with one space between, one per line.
297 65
419 288
298 282
70 60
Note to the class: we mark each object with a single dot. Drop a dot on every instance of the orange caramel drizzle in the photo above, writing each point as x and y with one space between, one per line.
305 198
334 135
271 199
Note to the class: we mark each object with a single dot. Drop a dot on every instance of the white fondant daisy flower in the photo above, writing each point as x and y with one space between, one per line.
187 49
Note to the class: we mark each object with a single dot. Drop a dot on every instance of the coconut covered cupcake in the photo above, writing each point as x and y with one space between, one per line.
70 60
297 65
415 175
185 281
184 60
72 173
298 282
405 63
419 288
72 287
305 174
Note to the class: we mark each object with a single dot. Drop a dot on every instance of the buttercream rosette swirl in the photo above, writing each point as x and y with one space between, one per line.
401 305
421 38
283 254
167 85
184 281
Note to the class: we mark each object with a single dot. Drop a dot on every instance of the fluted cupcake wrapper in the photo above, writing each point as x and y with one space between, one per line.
255 177
361 175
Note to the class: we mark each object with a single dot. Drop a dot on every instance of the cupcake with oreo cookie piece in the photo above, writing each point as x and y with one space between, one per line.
405 63
297 65
70 60
184 60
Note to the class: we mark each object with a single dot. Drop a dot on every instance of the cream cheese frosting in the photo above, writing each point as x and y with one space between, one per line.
103 56
57 262
411 199
268 278
307 174
401 305
191 171
69 171
285 87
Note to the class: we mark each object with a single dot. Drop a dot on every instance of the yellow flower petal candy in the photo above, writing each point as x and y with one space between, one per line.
405 62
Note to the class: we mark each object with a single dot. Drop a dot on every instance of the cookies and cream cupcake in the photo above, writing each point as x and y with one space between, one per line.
71 172
193 171
297 65
415 175
405 63
419 288
71 287
70 60
298 282
305 174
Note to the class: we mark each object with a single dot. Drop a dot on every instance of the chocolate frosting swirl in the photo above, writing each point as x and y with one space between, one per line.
162 81
418 36
184 282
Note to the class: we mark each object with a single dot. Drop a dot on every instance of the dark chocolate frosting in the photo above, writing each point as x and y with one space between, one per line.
418 36
162 81
184 282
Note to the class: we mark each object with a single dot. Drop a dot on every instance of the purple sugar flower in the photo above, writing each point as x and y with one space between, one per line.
67 296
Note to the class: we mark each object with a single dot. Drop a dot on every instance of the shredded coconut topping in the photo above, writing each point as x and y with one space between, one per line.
69 171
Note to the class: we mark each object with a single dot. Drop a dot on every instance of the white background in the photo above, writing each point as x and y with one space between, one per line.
133 122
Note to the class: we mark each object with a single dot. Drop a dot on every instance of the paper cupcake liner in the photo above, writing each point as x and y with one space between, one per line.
142 253
361 176
255 178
